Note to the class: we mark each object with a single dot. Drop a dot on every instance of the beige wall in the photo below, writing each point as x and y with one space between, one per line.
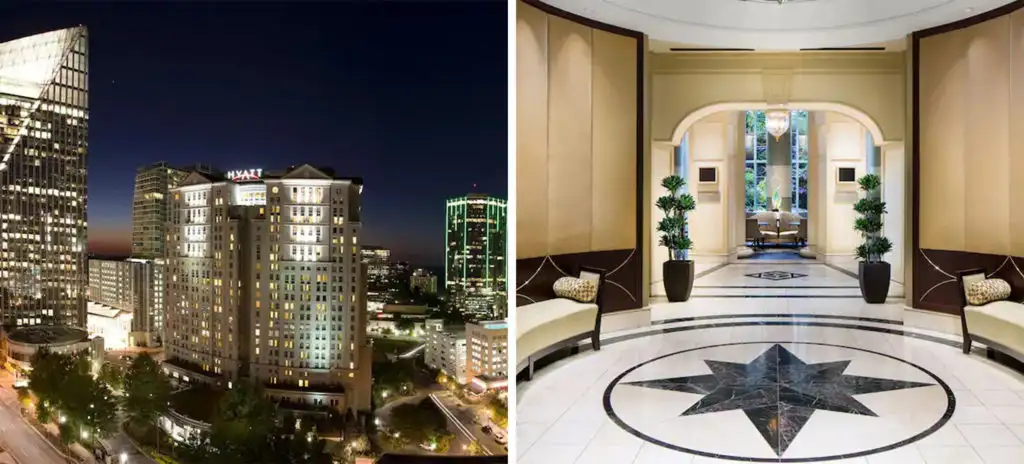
576 138
713 144
873 83
971 158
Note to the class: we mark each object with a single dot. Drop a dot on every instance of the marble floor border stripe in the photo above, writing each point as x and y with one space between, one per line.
776 316
709 270
889 300
812 287
900 332
844 271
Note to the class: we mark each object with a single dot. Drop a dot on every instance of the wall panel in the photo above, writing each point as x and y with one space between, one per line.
614 134
570 136
531 132
968 86
1016 127
578 148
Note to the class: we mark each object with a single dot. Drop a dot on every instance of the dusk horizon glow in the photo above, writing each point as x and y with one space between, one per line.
420 114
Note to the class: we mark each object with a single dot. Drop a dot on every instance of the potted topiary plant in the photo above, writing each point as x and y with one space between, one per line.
678 270
872 272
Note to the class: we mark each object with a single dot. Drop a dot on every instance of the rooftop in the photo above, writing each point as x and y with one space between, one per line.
48 335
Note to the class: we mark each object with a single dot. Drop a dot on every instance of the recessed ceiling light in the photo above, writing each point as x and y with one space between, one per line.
968 10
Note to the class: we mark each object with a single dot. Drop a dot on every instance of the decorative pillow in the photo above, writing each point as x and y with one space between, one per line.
987 291
582 290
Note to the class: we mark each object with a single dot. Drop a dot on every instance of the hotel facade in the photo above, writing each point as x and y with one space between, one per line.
265 281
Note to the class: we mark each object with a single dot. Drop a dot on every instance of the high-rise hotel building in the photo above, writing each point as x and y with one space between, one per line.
44 128
264 281
475 257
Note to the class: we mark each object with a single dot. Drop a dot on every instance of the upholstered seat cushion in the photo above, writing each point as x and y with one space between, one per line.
999 321
543 324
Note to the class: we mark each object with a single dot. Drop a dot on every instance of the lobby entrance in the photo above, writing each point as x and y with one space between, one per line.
775 188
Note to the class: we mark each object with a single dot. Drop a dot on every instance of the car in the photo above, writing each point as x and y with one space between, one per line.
500 438
486 429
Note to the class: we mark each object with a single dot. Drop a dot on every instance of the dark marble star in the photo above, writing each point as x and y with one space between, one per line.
778 392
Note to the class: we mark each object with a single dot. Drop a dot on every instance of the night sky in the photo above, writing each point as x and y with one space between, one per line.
409 96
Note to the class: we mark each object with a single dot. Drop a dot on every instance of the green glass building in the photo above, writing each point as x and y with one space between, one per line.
475 264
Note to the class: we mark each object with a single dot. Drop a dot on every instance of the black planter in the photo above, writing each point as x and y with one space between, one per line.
874 281
678 279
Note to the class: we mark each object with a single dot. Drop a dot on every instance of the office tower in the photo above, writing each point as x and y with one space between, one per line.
475 256
134 286
150 208
487 351
423 280
44 128
264 281
378 277
446 349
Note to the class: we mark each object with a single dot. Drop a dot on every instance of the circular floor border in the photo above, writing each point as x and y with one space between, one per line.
950 407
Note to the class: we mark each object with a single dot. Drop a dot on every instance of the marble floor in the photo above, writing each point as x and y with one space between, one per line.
802 280
720 379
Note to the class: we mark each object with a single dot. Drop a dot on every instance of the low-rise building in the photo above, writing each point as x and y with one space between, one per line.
487 352
446 349
22 343
113 324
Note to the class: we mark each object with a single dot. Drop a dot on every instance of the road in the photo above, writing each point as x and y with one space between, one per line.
464 419
21 440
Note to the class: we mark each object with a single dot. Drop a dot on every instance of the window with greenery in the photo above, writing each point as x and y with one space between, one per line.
756 173
798 148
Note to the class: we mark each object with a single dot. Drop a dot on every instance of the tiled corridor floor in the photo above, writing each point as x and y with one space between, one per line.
725 379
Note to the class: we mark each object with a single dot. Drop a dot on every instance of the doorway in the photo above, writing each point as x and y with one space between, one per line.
775 175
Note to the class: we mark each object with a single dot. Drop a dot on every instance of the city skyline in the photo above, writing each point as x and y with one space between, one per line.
190 84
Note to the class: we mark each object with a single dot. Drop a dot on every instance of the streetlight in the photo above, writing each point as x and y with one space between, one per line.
124 458
85 434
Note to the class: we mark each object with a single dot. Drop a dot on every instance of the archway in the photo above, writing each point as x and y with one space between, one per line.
726 214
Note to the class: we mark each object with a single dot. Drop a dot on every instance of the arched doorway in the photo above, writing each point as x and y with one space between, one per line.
840 138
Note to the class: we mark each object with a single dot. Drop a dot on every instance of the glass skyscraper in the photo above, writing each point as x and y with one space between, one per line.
44 127
475 255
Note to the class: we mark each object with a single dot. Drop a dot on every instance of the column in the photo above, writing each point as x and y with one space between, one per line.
780 170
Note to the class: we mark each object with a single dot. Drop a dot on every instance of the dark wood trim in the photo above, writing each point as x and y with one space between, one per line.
963 305
971 21
641 83
554 11
915 130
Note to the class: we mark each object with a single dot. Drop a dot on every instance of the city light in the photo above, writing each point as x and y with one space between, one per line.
124 458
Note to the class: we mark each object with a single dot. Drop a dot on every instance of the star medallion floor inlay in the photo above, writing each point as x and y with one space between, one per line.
776 275
806 379
777 391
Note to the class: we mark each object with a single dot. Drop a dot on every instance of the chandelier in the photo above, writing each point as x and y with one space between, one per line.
776 122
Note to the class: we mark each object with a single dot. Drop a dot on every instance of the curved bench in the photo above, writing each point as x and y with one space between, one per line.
999 324
550 325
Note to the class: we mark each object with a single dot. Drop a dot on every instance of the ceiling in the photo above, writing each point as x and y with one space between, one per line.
767 25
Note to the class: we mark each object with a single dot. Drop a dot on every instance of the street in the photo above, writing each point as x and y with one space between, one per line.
465 417
19 438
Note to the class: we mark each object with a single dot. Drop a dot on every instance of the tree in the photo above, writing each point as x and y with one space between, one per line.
499 412
404 325
69 394
869 224
146 392
245 419
112 375
419 422
675 204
